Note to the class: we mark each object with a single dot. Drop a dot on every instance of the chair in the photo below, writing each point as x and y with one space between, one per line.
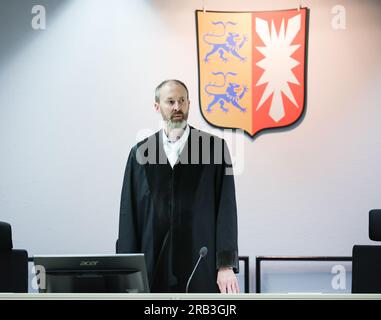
13 263
366 259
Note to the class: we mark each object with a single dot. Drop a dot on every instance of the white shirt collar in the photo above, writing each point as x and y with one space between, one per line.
173 149
182 139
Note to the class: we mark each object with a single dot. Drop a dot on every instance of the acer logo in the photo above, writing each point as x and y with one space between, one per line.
88 263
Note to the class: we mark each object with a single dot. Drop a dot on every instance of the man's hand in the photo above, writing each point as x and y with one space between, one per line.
227 281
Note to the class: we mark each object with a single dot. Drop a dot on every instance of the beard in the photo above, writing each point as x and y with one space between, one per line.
173 123
175 129
176 124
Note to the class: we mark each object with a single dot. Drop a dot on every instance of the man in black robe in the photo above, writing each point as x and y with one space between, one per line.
178 196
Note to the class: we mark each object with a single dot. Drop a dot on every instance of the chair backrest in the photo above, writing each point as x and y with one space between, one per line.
13 263
366 269
375 224
366 260
5 236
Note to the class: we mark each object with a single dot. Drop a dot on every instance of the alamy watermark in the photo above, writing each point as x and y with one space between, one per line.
339 20
39 19
339 279
39 278
205 149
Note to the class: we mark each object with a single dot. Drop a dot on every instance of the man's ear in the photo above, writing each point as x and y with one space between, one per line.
157 107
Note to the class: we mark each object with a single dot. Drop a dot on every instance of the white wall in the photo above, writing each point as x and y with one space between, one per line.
74 96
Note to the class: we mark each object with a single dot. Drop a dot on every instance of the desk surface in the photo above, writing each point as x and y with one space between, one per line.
183 296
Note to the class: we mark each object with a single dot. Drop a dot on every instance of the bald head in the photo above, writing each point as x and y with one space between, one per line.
161 85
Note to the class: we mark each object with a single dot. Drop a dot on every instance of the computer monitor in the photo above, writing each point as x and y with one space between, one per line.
115 273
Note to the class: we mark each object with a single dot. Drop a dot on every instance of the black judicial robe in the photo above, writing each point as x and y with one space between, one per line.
169 214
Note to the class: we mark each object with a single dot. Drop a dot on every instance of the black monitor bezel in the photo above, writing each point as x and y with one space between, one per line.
106 263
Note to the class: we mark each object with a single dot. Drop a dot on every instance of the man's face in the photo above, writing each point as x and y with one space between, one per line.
174 104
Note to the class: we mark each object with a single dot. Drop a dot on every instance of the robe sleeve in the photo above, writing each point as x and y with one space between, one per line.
128 233
226 229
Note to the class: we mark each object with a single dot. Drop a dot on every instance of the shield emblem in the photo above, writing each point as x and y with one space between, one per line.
252 68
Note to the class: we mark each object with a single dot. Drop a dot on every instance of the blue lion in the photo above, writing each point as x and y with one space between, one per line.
230 95
229 46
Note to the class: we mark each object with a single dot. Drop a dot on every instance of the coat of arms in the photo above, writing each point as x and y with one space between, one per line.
252 68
